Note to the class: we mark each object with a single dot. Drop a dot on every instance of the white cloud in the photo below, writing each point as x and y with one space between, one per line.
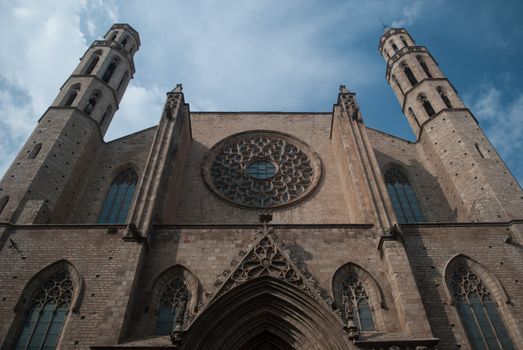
501 121
409 16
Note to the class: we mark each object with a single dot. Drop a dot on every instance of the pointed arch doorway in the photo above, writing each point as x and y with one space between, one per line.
265 313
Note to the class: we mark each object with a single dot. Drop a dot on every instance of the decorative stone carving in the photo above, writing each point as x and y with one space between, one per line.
296 169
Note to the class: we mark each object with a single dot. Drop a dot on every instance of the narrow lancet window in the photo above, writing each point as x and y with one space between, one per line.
110 70
72 96
173 303
356 303
91 103
397 83
93 63
122 81
413 116
3 203
34 152
424 66
394 47
113 36
478 312
404 41
426 105
118 199
444 97
408 72
402 197
44 320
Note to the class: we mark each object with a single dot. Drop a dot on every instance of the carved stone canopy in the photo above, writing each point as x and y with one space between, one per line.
262 169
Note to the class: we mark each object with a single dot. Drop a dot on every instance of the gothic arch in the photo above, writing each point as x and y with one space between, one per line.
374 291
494 286
26 297
192 283
265 309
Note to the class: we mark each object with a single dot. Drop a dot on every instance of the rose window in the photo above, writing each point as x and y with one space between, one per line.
262 169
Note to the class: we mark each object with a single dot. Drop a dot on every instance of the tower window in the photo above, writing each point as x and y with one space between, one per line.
444 97
118 199
412 79
122 81
91 103
106 114
426 105
356 303
424 66
124 41
397 83
478 312
394 47
404 41
93 63
72 95
44 320
3 203
34 152
110 70
413 116
173 304
402 197
113 36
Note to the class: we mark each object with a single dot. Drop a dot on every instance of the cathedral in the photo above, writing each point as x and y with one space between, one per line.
260 230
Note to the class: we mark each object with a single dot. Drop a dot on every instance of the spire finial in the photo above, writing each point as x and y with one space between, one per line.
385 26
178 88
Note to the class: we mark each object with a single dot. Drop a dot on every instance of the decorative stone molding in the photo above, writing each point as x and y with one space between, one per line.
297 169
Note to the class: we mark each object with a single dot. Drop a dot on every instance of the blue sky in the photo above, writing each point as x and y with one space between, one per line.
265 55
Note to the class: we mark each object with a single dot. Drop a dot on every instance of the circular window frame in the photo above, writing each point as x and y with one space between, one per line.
312 156
256 160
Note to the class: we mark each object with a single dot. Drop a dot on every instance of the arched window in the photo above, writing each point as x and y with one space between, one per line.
75 89
34 152
426 105
107 112
91 103
478 312
394 47
173 304
3 203
424 66
397 83
404 41
110 70
413 116
412 79
356 303
122 81
49 307
113 36
403 199
93 63
118 199
444 97
124 41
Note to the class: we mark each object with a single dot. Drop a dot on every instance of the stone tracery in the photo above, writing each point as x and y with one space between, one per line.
297 172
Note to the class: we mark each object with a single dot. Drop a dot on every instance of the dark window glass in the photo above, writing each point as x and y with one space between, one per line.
424 66
110 70
119 197
444 97
356 303
412 79
44 321
394 47
173 302
261 170
427 106
92 64
402 197
479 314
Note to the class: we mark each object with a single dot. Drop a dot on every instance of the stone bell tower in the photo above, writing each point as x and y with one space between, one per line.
475 180
42 182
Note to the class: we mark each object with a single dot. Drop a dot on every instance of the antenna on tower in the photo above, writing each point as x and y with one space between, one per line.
383 24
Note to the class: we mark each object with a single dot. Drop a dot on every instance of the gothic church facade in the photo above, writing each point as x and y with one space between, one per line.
259 230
